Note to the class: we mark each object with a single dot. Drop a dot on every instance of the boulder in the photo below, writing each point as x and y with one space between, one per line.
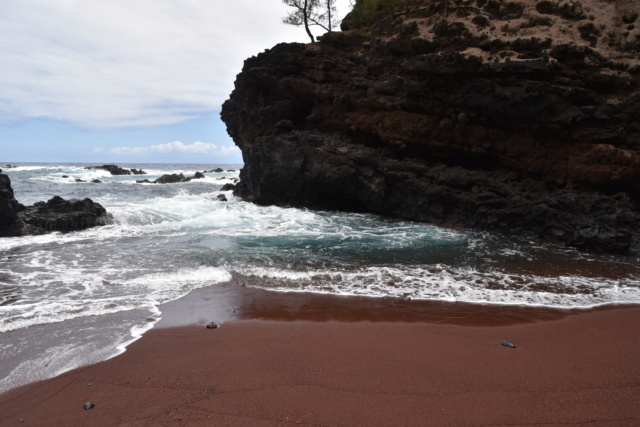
57 214
170 178
62 215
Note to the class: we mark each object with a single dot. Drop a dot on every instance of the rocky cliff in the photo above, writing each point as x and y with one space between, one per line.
521 117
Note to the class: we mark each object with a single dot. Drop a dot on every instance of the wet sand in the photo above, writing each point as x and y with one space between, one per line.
567 368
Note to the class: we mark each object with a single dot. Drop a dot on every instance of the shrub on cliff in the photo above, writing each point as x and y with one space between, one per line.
365 11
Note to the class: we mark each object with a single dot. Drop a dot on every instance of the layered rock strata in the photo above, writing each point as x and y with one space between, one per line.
520 117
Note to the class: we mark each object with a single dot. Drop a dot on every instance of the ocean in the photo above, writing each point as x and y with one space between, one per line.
67 300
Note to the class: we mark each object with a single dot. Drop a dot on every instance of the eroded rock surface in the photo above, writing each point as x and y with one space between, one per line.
520 117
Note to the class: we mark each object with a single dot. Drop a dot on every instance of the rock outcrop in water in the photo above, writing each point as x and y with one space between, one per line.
172 178
117 170
520 117
57 214
9 206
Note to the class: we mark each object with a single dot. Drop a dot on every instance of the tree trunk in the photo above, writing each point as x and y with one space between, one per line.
305 14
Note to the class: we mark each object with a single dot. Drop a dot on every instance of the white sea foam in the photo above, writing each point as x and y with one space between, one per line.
440 283
66 293
29 168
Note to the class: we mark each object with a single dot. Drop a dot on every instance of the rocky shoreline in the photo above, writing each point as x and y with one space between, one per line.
518 117
57 214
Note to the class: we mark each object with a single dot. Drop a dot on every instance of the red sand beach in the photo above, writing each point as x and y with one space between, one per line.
579 369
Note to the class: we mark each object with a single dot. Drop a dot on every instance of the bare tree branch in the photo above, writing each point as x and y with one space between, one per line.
309 13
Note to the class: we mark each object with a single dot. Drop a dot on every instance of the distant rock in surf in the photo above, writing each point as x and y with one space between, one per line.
117 170
57 214
172 178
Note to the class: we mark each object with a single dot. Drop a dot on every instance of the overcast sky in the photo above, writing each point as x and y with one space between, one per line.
128 81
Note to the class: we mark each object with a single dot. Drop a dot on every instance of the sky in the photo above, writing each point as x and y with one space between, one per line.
128 81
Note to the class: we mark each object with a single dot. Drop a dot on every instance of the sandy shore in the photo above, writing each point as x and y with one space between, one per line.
580 369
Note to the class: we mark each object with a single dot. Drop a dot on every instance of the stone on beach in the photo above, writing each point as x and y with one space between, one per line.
508 343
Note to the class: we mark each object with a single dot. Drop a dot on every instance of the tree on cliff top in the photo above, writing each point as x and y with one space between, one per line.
312 12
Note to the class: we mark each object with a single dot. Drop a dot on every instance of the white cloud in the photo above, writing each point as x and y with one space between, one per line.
123 63
179 148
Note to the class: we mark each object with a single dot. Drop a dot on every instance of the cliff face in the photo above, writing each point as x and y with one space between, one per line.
511 116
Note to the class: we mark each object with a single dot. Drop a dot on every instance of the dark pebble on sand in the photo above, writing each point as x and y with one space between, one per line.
212 325
88 406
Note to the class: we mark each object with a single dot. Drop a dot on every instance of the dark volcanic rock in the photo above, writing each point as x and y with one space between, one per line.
55 215
117 170
499 128
62 215
9 206
170 178
173 178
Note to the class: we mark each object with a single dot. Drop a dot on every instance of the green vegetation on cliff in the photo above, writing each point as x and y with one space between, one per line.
365 11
